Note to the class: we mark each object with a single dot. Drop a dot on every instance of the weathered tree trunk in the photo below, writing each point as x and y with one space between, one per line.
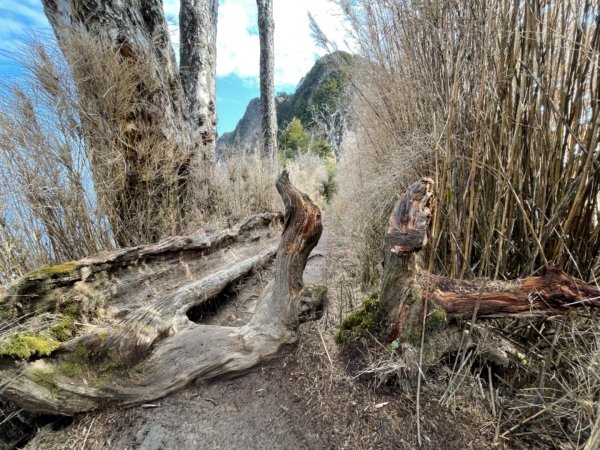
142 136
142 345
411 299
198 68
268 113
406 235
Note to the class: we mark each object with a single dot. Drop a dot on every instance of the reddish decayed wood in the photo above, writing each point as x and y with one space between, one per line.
552 293
407 227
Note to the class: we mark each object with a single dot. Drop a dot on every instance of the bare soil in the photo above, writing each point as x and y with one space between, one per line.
302 400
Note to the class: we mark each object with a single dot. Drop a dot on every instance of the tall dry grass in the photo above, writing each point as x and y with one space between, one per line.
68 187
499 102
48 205
244 183
136 139
502 101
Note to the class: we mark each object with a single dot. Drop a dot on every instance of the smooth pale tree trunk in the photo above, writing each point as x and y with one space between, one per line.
266 28
198 66
143 346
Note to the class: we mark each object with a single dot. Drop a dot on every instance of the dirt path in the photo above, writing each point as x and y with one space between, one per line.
319 262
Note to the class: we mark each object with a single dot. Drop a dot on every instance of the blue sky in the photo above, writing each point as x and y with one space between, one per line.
237 44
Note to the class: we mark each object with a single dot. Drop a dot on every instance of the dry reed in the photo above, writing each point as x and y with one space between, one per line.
503 97
499 103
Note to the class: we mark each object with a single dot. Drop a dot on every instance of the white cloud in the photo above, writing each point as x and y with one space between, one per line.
238 43
295 50
237 38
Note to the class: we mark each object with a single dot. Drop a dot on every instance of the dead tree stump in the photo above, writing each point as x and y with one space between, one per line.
411 299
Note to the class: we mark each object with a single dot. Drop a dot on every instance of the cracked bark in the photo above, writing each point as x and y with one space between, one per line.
170 122
198 64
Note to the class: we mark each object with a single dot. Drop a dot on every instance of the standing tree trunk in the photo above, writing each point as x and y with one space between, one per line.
198 67
138 119
268 113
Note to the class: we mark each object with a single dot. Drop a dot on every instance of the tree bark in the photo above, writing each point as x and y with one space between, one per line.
198 68
266 28
139 120
406 235
150 347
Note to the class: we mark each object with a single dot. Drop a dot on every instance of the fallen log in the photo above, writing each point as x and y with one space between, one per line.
139 343
552 293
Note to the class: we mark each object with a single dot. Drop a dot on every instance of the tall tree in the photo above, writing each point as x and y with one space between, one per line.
142 119
266 28
198 63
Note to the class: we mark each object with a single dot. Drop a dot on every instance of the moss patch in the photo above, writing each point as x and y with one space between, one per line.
82 360
70 309
70 368
63 331
362 320
437 319
59 269
26 345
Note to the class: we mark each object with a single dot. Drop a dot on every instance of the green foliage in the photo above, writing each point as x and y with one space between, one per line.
26 345
322 85
293 140
361 321
330 187
321 148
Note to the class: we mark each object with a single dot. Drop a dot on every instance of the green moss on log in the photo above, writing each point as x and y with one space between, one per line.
83 360
70 368
26 345
44 376
362 320
63 331
59 269
436 319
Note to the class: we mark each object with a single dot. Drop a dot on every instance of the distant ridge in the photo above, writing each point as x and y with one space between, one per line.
324 84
